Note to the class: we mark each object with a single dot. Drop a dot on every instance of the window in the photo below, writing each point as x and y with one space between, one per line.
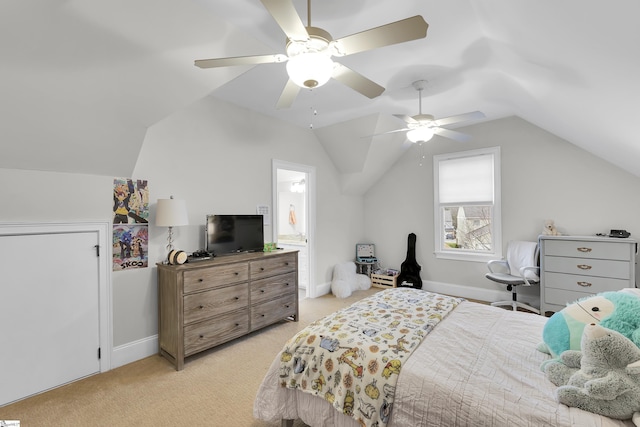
467 205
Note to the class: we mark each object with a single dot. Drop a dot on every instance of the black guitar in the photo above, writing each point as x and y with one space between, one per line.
410 269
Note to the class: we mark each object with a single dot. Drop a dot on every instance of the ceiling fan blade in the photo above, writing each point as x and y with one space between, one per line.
459 118
288 95
452 134
285 14
356 81
240 60
407 119
385 133
397 32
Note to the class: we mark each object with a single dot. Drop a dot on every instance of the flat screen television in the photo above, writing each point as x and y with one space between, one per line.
232 234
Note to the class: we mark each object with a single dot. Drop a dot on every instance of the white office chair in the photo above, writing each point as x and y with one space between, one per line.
521 268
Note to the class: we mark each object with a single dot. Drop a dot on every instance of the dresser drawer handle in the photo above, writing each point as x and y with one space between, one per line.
261 268
262 315
262 291
236 273
237 298
584 284
201 307
201 336
200 280
584 267
286 263
585 250
287 306
237 324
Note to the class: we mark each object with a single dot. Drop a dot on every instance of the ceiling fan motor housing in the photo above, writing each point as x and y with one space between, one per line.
310 63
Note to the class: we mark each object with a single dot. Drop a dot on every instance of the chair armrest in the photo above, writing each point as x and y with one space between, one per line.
498 266
523 274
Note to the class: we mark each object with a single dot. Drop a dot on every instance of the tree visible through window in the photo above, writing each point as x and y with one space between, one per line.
467 204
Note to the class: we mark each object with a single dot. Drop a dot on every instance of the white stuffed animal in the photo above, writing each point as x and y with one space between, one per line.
549 228
346 280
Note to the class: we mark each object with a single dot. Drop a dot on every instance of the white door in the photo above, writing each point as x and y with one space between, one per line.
49 311
298 234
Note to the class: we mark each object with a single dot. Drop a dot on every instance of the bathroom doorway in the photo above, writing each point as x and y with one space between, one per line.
294 217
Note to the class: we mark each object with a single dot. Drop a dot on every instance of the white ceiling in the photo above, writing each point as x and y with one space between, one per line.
82 80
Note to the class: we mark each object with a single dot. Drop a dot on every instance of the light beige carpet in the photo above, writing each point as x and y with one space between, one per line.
216 388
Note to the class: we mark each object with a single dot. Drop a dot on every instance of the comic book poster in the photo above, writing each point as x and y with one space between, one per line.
130 246
130 201
130 223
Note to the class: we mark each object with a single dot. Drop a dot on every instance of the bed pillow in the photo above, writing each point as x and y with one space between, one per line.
619 311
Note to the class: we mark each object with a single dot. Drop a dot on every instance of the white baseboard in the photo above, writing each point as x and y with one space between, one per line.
136 350
322 289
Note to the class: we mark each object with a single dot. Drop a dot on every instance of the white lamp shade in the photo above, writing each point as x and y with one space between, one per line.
309 70
422 133
171 213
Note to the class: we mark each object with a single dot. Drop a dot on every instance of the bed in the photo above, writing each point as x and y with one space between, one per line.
477 366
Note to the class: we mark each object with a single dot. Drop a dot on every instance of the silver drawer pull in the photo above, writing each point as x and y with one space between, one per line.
583 249
584 284
584 267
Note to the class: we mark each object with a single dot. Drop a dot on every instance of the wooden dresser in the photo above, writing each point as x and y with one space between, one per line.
207 303
572 267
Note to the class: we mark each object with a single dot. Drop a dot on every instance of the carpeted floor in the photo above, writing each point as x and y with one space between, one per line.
216 388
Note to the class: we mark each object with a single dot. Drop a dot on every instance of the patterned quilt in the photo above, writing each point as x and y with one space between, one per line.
352 358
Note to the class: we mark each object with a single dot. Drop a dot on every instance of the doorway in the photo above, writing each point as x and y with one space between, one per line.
293 188
54 306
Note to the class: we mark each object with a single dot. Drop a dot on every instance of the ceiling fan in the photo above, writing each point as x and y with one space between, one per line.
309 51
422 127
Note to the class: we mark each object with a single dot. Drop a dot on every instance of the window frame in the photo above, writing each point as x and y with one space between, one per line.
496 220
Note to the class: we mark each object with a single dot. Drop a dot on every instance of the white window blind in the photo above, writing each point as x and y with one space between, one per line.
466 180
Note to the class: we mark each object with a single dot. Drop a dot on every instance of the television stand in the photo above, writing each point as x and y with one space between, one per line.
207 303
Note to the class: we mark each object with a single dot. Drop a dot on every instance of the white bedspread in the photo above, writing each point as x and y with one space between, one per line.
478 367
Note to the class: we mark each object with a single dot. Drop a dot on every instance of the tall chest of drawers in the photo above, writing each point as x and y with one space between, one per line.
204 304
572 267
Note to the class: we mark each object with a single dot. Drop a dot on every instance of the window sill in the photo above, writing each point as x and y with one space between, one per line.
467 256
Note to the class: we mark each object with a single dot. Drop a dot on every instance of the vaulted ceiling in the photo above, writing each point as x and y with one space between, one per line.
82 80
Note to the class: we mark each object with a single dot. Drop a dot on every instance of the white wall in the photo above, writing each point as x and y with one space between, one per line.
543 177
218 158
215 156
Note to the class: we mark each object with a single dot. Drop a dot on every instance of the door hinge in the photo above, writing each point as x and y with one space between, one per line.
99 353
97 250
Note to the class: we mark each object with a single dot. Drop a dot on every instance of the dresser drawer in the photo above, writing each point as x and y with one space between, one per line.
202 305
212 277
272 311
273 266
588 267
587 249
588 284
266 289
220 329
563 297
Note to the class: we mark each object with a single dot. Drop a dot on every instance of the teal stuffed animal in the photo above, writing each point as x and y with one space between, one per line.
618 311
603 378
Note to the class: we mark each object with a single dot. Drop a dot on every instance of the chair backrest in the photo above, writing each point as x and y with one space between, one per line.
523 254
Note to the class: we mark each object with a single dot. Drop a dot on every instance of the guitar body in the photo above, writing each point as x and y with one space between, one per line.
410 269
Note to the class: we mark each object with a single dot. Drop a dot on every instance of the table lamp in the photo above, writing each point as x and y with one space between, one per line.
171 213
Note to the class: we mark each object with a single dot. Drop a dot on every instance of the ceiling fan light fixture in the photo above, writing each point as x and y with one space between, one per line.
420 134
310 69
